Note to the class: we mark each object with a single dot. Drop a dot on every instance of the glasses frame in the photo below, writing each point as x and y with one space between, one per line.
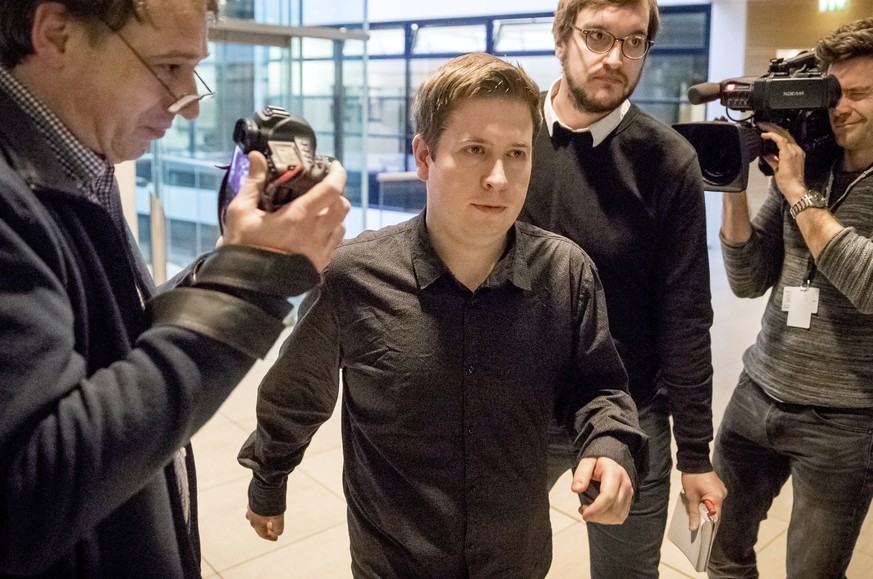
586 31
179 102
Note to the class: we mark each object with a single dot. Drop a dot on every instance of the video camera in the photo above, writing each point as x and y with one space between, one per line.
288 143
793 94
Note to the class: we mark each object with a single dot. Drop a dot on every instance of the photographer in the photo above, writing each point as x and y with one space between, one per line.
101 382
804 403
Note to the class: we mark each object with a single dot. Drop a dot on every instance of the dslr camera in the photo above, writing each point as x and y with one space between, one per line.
288 143
793 94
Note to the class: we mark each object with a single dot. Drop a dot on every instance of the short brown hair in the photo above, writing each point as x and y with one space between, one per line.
16 21
848 41
568 10
474 75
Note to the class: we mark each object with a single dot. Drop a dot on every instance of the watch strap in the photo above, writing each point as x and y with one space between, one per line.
810 199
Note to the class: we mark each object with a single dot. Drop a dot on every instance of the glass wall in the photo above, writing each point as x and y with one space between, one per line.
356 94
402 54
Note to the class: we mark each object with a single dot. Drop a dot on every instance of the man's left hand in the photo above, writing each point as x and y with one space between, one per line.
788 164
613 503
704 488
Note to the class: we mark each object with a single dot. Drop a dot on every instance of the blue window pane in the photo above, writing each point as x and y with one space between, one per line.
386 41
531 34
453 39
683 30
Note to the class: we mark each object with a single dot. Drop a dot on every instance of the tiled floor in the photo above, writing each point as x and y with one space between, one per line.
315 542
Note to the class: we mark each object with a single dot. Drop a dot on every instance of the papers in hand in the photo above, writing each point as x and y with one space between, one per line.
696 545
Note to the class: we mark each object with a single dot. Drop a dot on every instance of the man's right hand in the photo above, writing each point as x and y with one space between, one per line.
312 225
616 491
268 528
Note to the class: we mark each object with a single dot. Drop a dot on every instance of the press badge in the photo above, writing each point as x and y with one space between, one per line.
800 303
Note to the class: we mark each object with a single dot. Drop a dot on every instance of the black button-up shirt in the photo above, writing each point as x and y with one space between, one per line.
447 398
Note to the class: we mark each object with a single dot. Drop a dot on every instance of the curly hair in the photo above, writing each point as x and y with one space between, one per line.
848 41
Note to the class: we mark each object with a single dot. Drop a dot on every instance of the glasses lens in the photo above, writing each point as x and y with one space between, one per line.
635 46
190 99
185 101
599 40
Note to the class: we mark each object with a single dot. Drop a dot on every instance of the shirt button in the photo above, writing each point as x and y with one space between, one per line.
470 369
469 430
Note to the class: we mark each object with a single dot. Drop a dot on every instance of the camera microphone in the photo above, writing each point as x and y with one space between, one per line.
704 92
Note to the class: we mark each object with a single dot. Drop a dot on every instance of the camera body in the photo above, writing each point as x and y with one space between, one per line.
771 96
288 143
794 94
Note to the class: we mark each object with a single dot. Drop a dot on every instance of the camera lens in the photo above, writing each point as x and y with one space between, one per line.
719 161
724 151
718 150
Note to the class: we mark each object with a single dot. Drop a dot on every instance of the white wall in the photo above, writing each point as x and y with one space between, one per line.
727 45
727 55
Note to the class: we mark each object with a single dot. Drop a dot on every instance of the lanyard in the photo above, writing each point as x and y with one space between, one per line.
810 266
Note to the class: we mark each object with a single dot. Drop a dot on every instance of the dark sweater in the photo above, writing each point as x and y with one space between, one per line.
635 204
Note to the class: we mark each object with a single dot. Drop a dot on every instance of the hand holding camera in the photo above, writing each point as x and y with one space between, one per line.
786 162
288 144
267 174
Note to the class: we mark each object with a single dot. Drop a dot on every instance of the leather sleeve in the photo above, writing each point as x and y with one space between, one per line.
237 295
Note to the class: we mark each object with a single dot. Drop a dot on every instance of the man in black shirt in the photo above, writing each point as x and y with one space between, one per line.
460 334
628 190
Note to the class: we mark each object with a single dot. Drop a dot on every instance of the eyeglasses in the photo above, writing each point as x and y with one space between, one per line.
179 102
634 46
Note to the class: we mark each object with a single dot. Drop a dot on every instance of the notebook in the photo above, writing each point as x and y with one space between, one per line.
695 545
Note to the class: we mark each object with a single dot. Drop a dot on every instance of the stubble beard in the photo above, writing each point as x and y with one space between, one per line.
583 102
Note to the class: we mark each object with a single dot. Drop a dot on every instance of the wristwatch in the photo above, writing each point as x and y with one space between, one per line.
811 199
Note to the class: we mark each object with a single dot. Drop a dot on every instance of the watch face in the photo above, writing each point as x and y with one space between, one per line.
817 199
811 199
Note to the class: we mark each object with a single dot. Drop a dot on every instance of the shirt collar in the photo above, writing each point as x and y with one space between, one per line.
599 130
511 268
78 161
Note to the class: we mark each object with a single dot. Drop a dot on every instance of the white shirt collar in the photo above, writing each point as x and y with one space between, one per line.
599 130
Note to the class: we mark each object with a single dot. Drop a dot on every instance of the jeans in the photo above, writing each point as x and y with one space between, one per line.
631 550
826 451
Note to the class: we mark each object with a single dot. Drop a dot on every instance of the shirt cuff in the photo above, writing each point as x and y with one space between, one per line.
266 499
